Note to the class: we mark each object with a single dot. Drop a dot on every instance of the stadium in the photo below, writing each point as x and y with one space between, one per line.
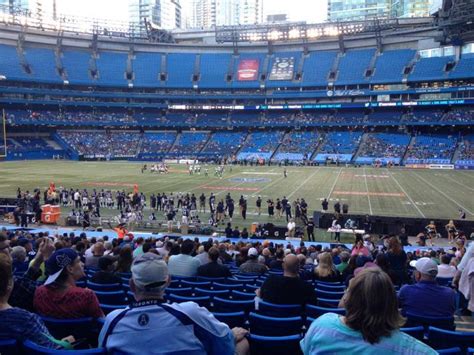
266 148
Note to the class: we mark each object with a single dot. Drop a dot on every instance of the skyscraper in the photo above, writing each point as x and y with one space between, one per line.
165 14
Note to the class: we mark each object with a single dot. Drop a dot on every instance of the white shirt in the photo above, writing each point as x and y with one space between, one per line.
291 226
446 271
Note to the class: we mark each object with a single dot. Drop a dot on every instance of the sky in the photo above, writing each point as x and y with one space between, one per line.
311 11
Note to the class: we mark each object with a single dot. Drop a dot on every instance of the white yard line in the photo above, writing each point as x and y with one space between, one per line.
457 182
407 195
442 193
368 194
334 185
303 183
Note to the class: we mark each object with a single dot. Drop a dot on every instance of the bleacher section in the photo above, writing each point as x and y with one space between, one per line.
147 69
383 148
214 69
353 65
223 144
430 68
316 68
389 66
180 70
260 145
10 64
43 64
338 146
189 143
77 64
30 147
154 145
431 149
297 146
112 67
465 157
464 68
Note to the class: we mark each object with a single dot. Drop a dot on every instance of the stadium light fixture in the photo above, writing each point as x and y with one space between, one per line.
313 32
294 33
274 35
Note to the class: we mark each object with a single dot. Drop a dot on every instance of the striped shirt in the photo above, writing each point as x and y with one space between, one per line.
329 335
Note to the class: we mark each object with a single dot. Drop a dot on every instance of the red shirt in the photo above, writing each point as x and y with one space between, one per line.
74 302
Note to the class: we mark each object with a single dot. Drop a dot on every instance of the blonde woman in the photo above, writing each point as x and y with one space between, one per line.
451 229
326 271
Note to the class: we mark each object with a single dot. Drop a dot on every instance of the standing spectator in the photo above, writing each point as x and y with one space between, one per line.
184 264
310 230
291 228
360 249
325 205
289 288
397 259
413 298
371 324
59 297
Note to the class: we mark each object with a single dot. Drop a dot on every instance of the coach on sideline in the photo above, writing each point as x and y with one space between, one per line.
152 326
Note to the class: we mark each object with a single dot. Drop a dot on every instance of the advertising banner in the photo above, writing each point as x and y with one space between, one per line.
248 70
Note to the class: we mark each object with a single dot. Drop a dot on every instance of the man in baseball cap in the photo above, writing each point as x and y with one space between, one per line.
252 266
426 298
162 328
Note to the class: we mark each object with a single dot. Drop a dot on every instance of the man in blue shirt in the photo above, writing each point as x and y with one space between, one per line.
427 298
151 326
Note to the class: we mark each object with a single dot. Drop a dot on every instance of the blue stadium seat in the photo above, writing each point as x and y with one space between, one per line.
9 347
327 302
415 332
274 326
211 293
211 279
112 297
414 320
444 339
328 294
203 301
201 284
104 287
444 281
470 351
330 288
224 305
232 319
130 297
82 284
278 310
80 328
239 295
222 286
266 345
181 291
316 311
35 349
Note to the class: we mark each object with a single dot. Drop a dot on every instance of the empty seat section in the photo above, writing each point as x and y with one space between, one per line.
155 144
147 69
189 143
316 68
223 143
390 64
10 64
180 70
297 146
112 67
43 64
76 64
430 68
214 69
431 149
464 68
352 66
260 145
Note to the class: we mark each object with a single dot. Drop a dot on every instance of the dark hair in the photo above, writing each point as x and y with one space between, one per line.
125 259
6 272
146 247
445 259
213 254
394 246
371 305
187 247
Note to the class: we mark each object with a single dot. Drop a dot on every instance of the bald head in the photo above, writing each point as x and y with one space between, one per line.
290 264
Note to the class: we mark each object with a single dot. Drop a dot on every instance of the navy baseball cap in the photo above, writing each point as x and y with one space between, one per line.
57 262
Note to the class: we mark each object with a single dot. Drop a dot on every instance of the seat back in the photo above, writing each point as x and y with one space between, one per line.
211 293
203 301
455 350
9 347
444 281
111 297
232 319
34 349
274 326
414 320
279 310
326 302
328 294
224 305
104 287
107 308
223 286
201 284
266 345
182 291
316 311
80 328
239 295
444 339
330 288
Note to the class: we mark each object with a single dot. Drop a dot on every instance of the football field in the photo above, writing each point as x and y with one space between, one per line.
373 191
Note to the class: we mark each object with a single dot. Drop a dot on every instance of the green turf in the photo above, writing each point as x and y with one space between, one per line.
389 192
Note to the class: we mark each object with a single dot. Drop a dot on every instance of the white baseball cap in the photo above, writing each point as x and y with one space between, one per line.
425 266
252 252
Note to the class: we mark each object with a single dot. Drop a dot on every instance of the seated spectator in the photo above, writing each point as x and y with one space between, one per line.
289 288
20 263
360 249
426 297
59 297
16 323
344 256
184 264
168 328
125 259
444 269
204 256
98 251
277 263
326 271
371 324
213 268
106 274
252 266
